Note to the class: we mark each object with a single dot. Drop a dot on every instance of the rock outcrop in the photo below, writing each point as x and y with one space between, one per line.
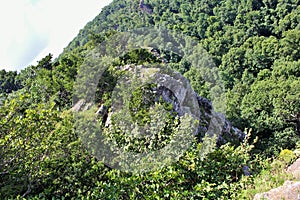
176 92
290 190
294 169
228 133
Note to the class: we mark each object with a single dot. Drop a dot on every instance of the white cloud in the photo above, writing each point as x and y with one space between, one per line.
30 29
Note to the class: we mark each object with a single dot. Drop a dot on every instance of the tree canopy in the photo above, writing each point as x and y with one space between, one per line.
252 57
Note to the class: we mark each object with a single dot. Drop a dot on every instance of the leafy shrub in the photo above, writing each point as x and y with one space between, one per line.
287 156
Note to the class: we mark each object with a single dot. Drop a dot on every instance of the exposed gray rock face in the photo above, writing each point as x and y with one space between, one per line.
289 191
175 90
81 105
102 110
294 169
78 106
228 132
168 96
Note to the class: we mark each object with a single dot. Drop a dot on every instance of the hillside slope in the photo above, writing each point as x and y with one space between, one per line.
255 45
250 50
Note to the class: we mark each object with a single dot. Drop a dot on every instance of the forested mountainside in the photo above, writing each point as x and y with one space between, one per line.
253 44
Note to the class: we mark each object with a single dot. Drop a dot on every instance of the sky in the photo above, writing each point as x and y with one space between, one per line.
31 29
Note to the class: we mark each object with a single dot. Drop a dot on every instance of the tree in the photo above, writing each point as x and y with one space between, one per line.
273 106
9 82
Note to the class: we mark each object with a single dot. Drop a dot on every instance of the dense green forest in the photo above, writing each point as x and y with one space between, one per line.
253 44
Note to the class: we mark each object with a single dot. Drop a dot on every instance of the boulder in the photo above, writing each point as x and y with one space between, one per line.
294 169
176 90
289 191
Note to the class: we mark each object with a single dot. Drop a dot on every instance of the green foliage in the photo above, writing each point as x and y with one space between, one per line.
138 56
9 82
287 156
24 145
272 175
255 48
53 163
142 99
273 113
